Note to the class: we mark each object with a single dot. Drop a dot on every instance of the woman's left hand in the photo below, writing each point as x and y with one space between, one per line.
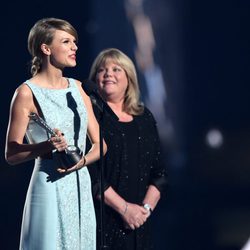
78 166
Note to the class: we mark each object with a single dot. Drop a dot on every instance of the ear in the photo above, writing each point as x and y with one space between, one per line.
45 49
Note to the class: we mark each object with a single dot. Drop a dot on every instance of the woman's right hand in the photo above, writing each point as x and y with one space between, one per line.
134 215
58 142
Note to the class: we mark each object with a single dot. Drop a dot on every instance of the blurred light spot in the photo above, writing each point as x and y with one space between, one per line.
246 246
214 138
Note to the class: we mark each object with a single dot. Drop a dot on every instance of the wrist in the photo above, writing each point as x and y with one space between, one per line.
148 208
124 209
83 161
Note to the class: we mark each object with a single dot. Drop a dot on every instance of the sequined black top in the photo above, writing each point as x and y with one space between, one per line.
132 163
130 132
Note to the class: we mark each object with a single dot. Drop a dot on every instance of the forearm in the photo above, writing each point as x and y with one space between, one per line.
115 201
94 153
133 215
152 197
18 153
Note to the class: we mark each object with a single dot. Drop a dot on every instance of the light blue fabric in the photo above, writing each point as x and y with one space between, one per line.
59 212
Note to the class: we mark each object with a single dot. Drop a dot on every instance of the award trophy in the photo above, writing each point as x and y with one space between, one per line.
67 158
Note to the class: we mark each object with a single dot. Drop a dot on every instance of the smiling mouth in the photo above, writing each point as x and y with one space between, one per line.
108 82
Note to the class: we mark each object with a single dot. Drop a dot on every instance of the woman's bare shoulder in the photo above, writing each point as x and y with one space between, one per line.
23 91
79 83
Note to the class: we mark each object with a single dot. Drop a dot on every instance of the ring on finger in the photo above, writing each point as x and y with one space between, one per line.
58 139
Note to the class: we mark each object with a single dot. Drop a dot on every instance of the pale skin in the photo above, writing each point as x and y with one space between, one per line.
59 54
113 82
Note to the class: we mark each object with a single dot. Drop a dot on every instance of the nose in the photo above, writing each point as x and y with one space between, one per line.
74 46
107 73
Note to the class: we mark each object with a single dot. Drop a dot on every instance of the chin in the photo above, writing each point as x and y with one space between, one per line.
71 65
108 89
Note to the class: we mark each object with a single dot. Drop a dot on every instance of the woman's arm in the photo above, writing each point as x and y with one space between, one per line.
15 150
93 131
152 197
133 215
158 174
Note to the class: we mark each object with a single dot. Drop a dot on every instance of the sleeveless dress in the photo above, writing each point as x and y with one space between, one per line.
59 212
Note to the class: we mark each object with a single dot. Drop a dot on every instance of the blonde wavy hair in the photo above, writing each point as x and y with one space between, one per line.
132 104
43 32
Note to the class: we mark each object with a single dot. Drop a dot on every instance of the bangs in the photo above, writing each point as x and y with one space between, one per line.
109 59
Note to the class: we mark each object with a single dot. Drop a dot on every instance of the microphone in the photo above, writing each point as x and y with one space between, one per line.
91 89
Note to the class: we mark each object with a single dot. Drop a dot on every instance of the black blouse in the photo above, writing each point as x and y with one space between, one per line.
132 163
130 132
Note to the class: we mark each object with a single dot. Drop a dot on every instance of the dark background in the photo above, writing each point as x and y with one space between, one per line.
203 50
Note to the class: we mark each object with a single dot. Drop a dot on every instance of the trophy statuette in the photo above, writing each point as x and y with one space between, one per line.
67 158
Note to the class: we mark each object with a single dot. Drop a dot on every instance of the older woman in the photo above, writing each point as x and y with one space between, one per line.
135 176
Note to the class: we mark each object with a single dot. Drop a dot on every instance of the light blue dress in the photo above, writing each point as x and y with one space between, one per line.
59 212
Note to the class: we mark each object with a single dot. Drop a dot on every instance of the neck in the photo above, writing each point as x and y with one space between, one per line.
53 75
50 79
117 108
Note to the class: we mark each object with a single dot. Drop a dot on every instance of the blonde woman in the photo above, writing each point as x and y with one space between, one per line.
135 176
59 211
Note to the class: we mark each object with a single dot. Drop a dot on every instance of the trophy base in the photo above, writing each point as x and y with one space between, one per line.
70 157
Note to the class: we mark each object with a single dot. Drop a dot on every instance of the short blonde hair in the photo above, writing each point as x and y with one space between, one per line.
132 104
